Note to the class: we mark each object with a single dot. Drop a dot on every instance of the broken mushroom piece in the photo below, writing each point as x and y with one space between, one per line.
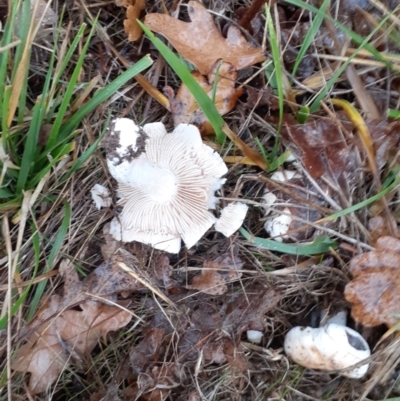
278 225
231 219
331 347
254 336
166 182
101 196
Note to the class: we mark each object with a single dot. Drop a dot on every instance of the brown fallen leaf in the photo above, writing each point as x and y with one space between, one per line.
200 42
134 8
246 311
184 107
106 281
216 274
82 329
42 355
324 150
260 97
147 351
57 335
374 290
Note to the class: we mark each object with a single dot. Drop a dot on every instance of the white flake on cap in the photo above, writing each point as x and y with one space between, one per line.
167 186
231 219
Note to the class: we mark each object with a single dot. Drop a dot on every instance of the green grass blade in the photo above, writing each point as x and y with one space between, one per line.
20 300
59 240
364 203
23 29
70 88
85 156
6 39
309 38
392 113
320 245
353 35
279 161
30 146
276 58
203 100
316 103
64 150
103 94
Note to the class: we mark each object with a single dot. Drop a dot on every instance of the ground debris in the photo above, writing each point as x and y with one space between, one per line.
373 292
324 150
217 273
185 109
133 10
201 333
59 335
200 42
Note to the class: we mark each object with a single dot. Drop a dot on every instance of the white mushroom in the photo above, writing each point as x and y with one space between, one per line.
278 225
231 219
331 347
254 336
166 181
101 196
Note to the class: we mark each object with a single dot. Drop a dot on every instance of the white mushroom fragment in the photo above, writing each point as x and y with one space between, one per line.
331 347
231 219
254 336
166 181
278 225
101 196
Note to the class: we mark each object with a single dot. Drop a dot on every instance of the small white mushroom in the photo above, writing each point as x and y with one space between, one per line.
231 219
331 347
166 181
254 336
278 225
101 196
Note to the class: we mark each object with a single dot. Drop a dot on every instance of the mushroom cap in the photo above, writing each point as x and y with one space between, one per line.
167 184
331 347
231 219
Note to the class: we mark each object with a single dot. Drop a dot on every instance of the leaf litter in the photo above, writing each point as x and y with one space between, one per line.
184 107
59 334
197 344
200 41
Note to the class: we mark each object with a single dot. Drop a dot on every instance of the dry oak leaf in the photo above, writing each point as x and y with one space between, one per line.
132 28
374 290
59 336
185 109
200 42
216 274
42 355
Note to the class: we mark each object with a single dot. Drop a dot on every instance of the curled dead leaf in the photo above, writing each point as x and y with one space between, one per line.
57 335
42 355
324 150
200 42
184 107
134 8
374 290
216 274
